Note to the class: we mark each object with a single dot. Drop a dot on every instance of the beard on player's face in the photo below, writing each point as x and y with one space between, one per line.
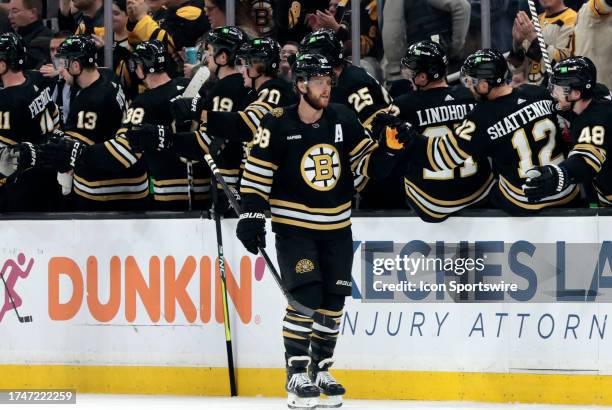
317 101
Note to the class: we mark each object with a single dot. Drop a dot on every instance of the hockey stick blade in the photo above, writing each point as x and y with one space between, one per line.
318 317
197 81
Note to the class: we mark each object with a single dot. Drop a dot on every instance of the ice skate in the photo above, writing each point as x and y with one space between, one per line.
302 393
331 391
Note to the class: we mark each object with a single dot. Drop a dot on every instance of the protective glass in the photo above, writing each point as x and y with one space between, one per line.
468 81
558 91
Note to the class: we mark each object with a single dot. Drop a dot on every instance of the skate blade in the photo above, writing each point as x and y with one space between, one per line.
302 403
329 402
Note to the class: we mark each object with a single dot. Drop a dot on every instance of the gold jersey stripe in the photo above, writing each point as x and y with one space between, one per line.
302 207
313 226
110 182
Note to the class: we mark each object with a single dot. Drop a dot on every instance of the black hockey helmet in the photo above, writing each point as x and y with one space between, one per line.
575 73
228 39
323 42
151 55
81 48
426 57
312 65
12 50
488 64
262 50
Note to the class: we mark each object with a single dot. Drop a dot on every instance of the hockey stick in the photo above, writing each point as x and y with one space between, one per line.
318 317
536 24
228 335
22 319
193 89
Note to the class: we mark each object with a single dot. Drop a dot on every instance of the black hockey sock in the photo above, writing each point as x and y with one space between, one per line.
296 333
323 339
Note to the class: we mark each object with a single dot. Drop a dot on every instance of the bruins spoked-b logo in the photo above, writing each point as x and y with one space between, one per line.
321 167
304 266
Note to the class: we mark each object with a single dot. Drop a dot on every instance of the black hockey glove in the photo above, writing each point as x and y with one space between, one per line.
223 206
148 137
61 154
17 158
384 119
251 231
186 109
545 181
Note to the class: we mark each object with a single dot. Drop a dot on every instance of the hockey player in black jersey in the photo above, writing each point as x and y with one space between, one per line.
147 113
27 114
361 92
96 114
573 84
515 128
301 166
261 59
228 94
435 109
260 66
354 86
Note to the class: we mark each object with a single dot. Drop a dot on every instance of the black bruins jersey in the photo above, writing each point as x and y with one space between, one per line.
517 132
435 195
591 131
239 128
27 114
360 91
95 116
169 174
242 125
228 95
305 172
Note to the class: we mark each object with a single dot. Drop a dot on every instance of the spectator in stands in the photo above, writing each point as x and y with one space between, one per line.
296 18
60 91
5 24
215 11
289 49
502 15
593 37
557 22
443 21
338 18
122 51
25 18
82 16
184 23
157 10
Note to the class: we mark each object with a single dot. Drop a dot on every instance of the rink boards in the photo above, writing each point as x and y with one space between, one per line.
133 306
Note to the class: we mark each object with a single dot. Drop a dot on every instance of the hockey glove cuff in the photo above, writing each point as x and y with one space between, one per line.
17 158
545 181
251 231
148 137
61 154
186 109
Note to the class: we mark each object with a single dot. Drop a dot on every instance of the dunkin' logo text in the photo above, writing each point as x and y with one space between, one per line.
160 286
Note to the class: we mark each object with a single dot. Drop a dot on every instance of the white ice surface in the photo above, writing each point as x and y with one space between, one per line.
222 403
